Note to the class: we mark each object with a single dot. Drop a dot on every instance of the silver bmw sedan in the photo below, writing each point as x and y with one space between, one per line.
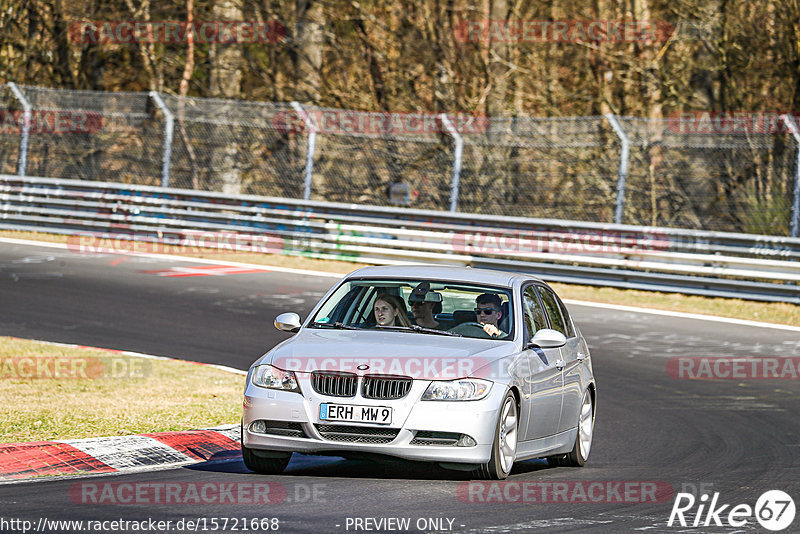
472 369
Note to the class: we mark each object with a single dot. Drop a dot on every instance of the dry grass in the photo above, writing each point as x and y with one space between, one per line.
735 308
100 393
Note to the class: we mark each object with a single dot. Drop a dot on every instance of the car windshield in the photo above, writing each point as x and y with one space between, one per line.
419 306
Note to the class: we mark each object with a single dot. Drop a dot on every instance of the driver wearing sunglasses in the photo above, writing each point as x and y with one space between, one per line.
488 312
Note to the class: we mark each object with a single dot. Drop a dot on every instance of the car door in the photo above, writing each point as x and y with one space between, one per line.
544 382
560 320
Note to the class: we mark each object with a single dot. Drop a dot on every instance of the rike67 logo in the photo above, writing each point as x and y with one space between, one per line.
774 510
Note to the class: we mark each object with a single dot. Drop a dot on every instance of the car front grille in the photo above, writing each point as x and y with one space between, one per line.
442 439
385 387
357 434
337 384
334 384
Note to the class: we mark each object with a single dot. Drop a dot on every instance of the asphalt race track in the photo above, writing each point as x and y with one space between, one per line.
737 437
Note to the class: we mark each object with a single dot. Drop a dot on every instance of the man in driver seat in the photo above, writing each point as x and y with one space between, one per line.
488 312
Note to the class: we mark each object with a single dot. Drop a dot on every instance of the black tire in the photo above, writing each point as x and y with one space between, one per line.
499 465
263 465
580 451
266 462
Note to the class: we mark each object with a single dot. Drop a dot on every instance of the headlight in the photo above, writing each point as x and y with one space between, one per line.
267 376
457 390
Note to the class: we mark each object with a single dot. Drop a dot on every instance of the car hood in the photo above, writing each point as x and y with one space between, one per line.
419 356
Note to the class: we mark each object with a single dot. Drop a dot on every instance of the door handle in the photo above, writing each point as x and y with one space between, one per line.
580 356
560 364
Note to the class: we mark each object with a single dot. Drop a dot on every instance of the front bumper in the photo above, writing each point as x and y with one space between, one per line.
412 420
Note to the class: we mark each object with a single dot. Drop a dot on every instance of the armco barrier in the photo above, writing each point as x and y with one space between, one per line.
706 263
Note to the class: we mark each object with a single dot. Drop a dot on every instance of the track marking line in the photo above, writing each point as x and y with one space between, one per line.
683 315
289 270
633 309
204 270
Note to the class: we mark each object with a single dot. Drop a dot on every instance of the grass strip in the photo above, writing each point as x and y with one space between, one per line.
50 392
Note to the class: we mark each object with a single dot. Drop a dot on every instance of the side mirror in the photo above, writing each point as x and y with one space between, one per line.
287 322
547 338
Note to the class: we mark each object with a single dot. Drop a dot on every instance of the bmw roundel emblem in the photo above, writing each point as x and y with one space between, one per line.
363 367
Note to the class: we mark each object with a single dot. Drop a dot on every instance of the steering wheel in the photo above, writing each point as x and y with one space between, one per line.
470 329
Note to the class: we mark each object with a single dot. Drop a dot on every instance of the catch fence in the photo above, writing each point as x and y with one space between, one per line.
693 172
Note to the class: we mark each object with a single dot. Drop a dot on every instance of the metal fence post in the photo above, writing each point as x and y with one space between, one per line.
455 182
169 128
312 144
792 127
22 164
622 173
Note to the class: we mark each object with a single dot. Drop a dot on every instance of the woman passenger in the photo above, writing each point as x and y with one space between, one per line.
390 311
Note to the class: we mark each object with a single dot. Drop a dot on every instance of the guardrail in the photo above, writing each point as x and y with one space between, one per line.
754 267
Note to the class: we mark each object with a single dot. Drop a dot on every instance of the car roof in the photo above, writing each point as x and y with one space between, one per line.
445 272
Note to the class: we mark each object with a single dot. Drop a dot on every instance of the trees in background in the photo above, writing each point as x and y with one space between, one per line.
460 56
383 55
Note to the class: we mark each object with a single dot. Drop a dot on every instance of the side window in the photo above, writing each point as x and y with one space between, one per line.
533 315
553 311
570 331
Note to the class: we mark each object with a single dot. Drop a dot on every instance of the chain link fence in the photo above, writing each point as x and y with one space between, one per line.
563 168
235 147
11 134
598 169
377 158
712 181
91 135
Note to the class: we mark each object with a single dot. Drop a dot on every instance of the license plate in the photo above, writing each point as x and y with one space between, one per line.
381 415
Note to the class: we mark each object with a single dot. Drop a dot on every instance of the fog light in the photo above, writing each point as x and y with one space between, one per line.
259 427
466 441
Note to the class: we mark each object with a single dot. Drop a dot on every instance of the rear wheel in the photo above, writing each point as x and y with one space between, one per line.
583 441
504 448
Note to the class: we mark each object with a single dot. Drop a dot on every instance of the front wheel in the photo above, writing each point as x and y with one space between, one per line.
504 447
266 462
273 465
583 441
